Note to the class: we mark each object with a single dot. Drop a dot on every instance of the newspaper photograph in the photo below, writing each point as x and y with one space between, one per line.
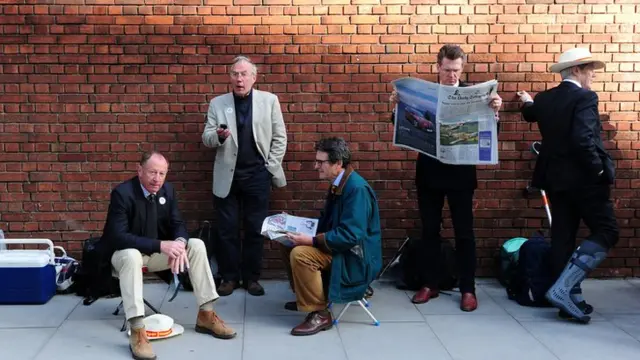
452 124
276 226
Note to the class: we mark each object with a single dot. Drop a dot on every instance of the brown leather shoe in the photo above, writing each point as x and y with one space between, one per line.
468 302
425 294
140 346
291 306
226 287
314 323
208 322
254 288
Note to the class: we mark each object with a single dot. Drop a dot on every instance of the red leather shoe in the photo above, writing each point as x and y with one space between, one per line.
425 294
468 302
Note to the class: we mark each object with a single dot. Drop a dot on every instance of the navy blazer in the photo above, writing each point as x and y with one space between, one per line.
572 153
126 219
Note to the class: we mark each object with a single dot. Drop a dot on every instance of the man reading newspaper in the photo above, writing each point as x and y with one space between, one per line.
459 140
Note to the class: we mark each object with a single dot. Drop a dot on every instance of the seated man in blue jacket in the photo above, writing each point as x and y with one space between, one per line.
144 228
348 245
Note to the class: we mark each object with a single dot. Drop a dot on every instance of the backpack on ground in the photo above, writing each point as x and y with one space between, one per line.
509 252
411 265
532 277
94 279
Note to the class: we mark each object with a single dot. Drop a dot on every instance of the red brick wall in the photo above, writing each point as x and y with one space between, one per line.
86 85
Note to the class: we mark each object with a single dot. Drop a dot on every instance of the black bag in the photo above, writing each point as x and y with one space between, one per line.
93 279
207 234
410 264
532 278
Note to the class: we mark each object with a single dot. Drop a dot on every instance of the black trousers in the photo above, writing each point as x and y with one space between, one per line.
593 205
431 202
242 261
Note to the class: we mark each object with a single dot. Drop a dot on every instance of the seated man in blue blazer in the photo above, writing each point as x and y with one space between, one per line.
347 247
144 228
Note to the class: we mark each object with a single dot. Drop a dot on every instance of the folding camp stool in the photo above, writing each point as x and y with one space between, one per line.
121 306
364 304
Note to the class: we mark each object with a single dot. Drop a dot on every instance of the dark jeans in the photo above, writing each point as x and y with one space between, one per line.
252 195
431 202
593 205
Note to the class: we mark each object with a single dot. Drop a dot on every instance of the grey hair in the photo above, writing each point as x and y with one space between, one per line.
241 58
336 148
566 73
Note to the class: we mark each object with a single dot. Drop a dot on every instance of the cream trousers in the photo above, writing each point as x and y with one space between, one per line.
128 265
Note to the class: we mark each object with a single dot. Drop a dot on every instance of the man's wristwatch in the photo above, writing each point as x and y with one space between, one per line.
184 241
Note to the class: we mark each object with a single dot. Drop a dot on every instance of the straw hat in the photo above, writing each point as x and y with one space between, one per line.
159 326
574 57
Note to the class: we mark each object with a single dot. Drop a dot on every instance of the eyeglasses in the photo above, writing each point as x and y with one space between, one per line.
320 162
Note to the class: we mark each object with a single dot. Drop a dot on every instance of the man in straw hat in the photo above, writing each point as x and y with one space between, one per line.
144 228
576 170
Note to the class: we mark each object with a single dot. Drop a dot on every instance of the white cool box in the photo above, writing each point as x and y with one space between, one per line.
27 276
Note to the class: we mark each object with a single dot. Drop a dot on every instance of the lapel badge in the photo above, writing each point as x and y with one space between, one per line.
229 110
162 200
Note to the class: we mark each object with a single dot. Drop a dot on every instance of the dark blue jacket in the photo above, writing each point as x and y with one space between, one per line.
125 226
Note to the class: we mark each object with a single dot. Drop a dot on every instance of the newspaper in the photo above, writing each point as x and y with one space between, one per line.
452 124
276 226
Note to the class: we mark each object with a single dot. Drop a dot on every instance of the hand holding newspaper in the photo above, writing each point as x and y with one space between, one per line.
452 124
276 226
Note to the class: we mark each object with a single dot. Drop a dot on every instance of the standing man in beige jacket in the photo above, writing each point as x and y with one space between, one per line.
247 129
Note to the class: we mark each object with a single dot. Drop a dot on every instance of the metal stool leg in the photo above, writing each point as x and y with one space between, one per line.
125 324
335 322
363 304
375 321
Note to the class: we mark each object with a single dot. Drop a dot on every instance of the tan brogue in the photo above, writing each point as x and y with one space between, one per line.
208 322
140 346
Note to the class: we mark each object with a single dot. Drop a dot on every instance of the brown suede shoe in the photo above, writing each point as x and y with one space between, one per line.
314 323
425 294
468 302
208 322
226 287
140 346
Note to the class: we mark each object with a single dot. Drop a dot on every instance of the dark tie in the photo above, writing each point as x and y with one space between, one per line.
152 217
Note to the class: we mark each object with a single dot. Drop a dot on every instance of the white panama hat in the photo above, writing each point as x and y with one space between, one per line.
160 326
574 57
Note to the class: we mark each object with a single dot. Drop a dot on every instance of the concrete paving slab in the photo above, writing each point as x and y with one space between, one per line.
270 338
612 296
51 314
23 344
415 341
595 341
486 337
87 339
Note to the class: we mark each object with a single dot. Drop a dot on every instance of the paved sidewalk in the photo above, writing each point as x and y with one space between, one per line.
500 329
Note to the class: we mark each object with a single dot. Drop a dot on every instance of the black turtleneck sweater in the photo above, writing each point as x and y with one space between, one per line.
249 159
